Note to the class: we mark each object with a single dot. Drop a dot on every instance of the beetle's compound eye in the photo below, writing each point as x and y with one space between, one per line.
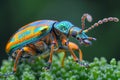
74 33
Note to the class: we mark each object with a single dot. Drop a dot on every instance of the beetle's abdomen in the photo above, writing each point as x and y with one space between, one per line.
28 34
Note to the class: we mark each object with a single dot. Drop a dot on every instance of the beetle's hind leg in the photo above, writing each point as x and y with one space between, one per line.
18 56
15 64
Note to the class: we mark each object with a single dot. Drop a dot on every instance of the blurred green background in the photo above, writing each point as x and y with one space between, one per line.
17 13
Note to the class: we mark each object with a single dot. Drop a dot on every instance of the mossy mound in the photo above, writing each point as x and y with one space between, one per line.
99 70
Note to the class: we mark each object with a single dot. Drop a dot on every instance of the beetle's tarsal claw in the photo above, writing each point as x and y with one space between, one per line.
84 64
47 67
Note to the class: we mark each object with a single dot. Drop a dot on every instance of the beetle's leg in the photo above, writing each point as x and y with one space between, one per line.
64 55
15 64
17 58
53 44
74 47
68 44
24 49
29 50
80 54
50 58
62 63
72 52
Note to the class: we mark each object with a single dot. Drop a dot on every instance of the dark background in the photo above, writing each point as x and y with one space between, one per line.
17 13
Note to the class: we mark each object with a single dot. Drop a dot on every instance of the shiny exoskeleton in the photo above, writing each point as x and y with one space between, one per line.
52 36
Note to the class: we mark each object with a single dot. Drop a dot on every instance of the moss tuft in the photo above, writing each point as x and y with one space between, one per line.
99 70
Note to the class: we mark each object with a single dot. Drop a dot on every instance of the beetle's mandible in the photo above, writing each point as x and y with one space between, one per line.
52 36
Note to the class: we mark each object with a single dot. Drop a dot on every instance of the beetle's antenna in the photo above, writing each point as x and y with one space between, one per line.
105 20
85 16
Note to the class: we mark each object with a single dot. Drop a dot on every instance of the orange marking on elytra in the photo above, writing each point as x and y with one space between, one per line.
31 35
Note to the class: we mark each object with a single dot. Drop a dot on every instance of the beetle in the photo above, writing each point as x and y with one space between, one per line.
42 35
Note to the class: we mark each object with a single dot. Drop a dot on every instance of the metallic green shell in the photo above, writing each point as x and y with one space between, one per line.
63 26
29 34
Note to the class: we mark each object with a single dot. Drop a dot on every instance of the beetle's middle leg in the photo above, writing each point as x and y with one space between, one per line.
53 45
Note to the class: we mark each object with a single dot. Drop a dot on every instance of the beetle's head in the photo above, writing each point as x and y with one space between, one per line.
68 28
81 36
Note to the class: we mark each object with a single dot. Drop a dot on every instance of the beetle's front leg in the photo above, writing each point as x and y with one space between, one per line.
73 47
70 46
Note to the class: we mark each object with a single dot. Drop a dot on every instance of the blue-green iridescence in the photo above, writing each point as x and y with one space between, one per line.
48 23
26 33
12 40
20 45
63 26
76 29
38 29
33 24
82 35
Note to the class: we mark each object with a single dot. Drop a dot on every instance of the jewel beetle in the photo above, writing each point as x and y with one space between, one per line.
53 36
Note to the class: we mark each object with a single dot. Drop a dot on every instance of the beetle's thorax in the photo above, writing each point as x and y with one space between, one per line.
63 27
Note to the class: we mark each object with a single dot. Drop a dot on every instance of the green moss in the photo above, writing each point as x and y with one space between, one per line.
99 70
